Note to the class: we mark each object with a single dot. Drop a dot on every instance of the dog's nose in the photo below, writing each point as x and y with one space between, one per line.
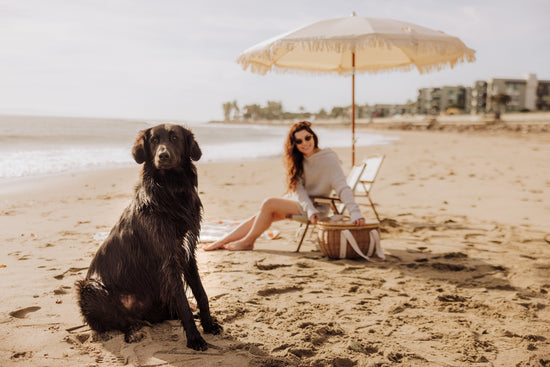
164 155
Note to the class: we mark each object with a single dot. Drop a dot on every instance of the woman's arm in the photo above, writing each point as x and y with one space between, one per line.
341 188
347 197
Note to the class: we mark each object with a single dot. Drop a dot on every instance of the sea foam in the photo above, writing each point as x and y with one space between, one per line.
35 146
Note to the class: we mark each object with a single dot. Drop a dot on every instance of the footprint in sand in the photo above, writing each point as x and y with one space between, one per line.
61 290
269 266
70 271
272 291
450 267
22 313
455 255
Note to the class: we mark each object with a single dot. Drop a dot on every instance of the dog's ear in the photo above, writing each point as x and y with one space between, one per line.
194 150
139 151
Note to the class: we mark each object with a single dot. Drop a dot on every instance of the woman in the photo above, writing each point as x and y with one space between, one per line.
311 171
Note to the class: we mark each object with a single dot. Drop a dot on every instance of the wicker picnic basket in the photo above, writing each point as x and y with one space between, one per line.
330 238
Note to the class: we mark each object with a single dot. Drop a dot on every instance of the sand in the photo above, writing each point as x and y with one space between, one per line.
465 229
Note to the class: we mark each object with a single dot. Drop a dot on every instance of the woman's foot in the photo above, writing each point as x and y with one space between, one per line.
214 245
241 245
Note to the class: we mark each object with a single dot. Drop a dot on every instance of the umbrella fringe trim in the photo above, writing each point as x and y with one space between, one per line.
279 48
263 69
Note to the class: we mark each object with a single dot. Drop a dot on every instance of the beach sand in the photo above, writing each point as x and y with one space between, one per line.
465 230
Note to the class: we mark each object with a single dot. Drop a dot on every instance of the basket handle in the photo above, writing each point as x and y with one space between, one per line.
346 236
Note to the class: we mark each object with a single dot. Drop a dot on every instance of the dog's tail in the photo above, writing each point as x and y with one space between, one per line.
101 311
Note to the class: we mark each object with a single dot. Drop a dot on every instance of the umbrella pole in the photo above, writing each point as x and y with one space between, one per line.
353 109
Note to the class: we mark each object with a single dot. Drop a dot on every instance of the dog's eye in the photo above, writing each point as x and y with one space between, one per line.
174 137
154 139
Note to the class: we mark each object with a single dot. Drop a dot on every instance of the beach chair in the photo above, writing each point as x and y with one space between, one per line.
337 206
372 166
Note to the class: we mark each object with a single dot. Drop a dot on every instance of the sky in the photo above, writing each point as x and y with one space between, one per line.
176 59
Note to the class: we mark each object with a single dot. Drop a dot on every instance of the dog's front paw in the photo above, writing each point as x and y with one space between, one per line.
212 327
134 337
134 334
197 343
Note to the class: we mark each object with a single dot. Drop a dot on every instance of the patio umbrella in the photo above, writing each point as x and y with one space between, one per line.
346 46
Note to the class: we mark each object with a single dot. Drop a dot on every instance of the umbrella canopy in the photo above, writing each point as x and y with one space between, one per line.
353 44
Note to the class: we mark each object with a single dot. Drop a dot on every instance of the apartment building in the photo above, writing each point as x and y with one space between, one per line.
527 94
435 101
428 101
478 100
542 102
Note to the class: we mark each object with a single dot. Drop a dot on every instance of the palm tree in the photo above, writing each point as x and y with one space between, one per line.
274 110
500 100
235 107
252 111
227 107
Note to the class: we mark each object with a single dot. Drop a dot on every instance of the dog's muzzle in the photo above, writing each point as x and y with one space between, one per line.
163 158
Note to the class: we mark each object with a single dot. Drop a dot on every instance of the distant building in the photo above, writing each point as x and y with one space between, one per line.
385 110
542 102
478 101
428 101
454 98
444 100
528 94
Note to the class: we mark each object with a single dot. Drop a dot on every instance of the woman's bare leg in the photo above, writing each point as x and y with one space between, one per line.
234 235
272 209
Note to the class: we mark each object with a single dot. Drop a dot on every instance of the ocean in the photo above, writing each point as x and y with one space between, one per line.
37 146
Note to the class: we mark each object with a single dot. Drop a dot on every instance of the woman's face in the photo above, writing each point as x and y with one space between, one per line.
304 142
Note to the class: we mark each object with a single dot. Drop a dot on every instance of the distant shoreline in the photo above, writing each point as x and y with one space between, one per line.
530 122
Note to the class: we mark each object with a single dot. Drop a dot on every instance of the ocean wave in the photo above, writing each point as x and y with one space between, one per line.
42 147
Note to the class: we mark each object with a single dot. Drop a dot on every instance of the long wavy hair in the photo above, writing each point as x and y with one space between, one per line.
293 159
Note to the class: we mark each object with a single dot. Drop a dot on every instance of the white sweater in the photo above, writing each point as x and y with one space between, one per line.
322 175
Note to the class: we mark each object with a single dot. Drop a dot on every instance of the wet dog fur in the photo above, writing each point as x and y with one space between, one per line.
139 274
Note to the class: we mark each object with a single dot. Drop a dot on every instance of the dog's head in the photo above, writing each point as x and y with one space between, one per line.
166 147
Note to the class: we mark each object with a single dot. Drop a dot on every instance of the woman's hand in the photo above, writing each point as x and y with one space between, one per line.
314 218
359 222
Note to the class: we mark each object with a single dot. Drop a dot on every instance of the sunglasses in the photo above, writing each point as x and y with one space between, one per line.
300 141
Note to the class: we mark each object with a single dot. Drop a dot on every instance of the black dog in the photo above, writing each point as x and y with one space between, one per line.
136 275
